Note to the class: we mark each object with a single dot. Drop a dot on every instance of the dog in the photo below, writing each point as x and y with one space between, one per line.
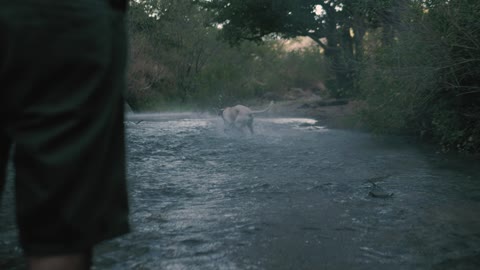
240 117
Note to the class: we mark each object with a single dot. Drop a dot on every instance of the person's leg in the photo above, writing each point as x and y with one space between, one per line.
5 140
5 144
70 262
68 129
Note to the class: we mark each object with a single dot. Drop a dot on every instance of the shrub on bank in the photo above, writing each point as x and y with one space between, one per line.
428 82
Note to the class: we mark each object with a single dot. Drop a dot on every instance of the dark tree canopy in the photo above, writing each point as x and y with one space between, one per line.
338 26
255 19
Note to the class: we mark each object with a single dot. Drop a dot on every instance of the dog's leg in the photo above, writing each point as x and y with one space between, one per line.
229 127
250 125
240 129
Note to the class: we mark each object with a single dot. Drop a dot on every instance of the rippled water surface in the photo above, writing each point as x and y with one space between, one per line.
292 196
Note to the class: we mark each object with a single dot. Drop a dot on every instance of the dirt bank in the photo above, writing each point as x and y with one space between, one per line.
335 113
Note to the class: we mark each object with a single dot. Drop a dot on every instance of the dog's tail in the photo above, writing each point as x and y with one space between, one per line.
264 110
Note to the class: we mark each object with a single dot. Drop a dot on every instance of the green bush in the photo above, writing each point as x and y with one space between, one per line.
178 59
427 82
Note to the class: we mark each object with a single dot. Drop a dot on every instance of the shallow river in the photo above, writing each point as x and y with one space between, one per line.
292 196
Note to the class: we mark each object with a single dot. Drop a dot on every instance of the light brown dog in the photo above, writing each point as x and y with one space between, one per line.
239 117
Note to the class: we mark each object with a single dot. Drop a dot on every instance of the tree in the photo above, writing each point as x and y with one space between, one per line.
177 57
170 36
337 26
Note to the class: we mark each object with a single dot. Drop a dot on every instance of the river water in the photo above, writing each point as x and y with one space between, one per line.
292 196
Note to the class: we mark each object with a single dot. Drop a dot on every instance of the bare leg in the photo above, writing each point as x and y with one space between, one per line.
63 262
5 144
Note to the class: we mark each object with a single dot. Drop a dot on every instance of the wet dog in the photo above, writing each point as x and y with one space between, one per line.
240 117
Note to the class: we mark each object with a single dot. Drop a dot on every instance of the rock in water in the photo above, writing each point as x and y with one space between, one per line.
378 192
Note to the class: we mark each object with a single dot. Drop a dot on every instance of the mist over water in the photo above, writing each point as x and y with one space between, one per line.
293 195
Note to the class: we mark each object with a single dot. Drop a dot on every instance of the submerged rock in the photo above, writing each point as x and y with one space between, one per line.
379 192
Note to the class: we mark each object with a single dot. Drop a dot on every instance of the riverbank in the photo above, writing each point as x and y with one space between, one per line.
334 113
346 114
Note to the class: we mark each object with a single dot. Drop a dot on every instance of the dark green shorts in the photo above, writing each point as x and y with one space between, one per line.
62 79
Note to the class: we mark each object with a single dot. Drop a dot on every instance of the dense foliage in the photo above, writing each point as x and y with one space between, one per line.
337 26
177 60
428 81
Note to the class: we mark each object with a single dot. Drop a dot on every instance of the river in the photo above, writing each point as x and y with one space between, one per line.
292 196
